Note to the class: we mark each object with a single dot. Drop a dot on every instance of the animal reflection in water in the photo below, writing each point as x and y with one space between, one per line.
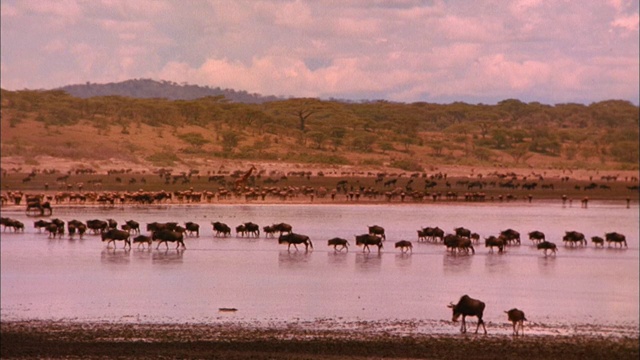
295 239
167 257
114 256
467 306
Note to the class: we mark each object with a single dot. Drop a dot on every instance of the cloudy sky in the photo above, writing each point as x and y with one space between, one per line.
406 50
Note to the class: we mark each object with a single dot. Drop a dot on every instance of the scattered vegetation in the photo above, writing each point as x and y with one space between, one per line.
407 136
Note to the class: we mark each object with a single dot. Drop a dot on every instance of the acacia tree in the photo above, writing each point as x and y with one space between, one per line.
195 140
303 109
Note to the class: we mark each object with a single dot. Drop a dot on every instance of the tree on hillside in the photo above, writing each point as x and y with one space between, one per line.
230 140
195 140
303 109
519 153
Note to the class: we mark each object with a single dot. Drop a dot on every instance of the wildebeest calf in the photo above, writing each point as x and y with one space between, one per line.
517 318
335 242
404 245
141 240
597 241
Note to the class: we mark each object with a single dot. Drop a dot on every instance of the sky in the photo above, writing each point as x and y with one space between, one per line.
439 51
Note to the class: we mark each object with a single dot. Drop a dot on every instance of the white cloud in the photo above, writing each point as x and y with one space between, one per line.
627 22
402 50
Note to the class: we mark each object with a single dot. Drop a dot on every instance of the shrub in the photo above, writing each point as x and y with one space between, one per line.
407 165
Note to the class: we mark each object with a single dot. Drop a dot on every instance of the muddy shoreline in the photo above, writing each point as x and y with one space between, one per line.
69 340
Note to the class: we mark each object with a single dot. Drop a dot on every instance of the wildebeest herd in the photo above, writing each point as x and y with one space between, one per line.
460 241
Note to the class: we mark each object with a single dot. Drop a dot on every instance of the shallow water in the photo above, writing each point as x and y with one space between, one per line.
83 280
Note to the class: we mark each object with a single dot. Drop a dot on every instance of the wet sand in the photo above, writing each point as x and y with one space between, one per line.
71 340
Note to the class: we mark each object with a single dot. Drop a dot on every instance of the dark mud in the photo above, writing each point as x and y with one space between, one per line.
81 340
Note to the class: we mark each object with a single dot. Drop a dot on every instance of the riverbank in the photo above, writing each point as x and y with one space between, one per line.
69 340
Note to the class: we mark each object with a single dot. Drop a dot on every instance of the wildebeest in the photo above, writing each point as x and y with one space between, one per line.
335 242
468 307
536 236
431 234
424 234
597 241
295 239
404 245
615 238
368 239
74 226
492 241
113 235
156 226
42 207
252 229
134 226
192 228
52 229
241 230
97 226
16 225
283 228
517 318
546 246
112 223
574 237
269 231
142 239
221 228
40 224
462 232
511 235
458 243
166 236
437 233
377 230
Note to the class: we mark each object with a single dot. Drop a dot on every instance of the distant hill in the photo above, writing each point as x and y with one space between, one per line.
147 88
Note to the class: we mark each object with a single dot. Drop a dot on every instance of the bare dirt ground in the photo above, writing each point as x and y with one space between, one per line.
102 166
69 340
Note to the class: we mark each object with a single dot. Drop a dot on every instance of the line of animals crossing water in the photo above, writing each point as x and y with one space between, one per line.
459 242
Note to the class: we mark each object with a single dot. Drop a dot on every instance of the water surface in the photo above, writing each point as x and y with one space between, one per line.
83 280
